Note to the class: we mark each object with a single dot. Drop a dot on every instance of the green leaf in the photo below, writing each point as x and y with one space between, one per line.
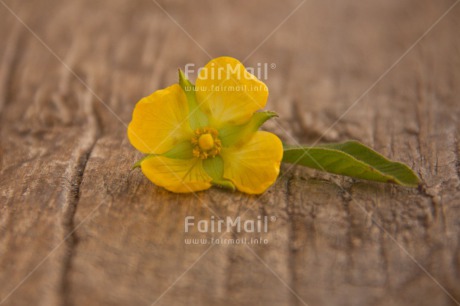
232 135
183 150
197 118
214 167
353 159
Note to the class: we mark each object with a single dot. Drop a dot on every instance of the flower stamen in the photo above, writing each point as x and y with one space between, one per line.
206 143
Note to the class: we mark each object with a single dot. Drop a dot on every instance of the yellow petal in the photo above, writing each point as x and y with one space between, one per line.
254 166
176 175
160 121
228 93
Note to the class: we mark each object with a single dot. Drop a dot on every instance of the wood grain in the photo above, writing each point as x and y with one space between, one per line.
78 227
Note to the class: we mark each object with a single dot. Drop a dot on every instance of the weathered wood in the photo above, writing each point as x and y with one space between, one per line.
78 227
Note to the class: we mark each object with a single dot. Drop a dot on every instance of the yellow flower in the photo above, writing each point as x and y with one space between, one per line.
207 134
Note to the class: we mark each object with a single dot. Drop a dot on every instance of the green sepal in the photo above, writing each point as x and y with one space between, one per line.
233 135
214 167
183 150
352 159
225 184
197 117
139 162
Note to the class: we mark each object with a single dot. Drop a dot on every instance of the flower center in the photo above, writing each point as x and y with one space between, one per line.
206 143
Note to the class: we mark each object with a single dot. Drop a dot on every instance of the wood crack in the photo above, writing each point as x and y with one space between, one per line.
74 175
8 63
433 196
457 158
290 211
346 196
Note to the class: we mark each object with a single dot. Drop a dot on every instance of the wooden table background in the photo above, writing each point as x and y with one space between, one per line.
77 227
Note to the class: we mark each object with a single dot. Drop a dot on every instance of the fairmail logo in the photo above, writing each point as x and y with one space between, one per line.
228 224
260 70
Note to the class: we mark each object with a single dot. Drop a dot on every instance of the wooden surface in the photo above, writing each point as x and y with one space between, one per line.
77 227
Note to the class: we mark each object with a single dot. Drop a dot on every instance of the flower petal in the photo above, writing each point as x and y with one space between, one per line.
228 93
254 166
160 121
176 175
